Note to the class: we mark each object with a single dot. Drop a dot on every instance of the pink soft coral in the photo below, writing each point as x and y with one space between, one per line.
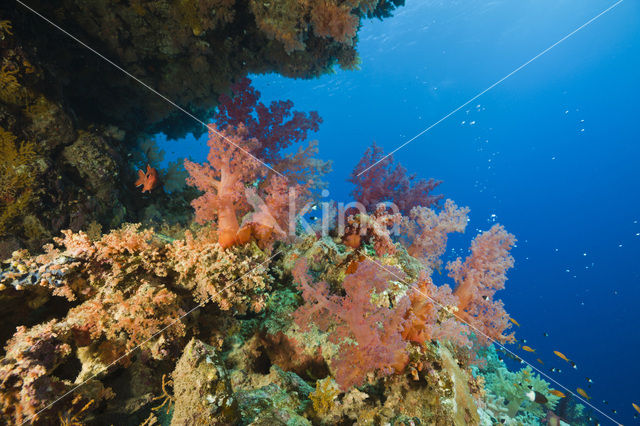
246 165
369 334
389 181
427 231
223 180
478 278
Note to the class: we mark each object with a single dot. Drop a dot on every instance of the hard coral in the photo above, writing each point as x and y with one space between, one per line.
478 278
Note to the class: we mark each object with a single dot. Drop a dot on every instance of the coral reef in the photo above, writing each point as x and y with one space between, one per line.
234 313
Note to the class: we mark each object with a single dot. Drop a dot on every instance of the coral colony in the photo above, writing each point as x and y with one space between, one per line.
254 314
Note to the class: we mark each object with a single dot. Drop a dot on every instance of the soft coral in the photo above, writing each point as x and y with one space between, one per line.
277 127
385 180
369 334
223 180
478 278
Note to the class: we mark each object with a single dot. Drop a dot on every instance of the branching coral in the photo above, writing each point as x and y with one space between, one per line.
388 181
478 278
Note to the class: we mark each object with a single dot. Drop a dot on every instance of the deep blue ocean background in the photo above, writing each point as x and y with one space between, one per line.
552 153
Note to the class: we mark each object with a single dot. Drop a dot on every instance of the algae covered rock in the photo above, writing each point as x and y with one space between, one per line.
282 401
202 390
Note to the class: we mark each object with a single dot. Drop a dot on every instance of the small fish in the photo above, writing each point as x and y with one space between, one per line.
557 393
636 406
561 355
589 380
553 369
540 361
583 393
485 298
514 321
148 180
573 364
614 411
545 334
535 396
528 349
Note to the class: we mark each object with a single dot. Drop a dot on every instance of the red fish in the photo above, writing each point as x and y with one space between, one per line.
148 180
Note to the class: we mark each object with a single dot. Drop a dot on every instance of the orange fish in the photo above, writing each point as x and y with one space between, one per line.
636 406
514 321
561 355
557 393
148 180
540 361
528 349
583 393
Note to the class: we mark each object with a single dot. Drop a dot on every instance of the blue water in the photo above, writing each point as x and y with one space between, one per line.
552 153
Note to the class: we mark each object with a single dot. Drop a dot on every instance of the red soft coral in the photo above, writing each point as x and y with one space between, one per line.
388 181
369 334
478 278
276 127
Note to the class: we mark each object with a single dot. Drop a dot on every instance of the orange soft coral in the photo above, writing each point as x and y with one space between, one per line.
336 21
223 180
478 278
